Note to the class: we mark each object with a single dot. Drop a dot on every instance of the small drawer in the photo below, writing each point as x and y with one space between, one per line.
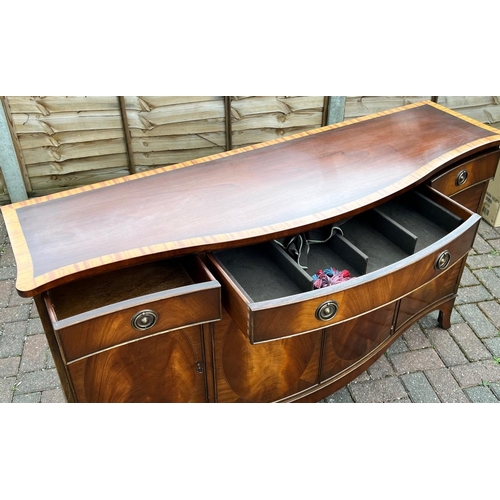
122 306
467 174
389 251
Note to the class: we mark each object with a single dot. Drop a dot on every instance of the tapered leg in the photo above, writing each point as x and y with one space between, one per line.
444 318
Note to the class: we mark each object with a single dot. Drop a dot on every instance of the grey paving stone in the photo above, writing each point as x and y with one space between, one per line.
487 231
446 386
468 278
53 396
12 339
39 380
491 309
7 273
468 341
446 347
400 400
34 355
6 287
33 397
9 366
471 294
481 394
415 338
481 245
16 299
50 363
6 389
34 327
381 368
419 389
493 345
16 313
483 261
495 243
398 346
341 396
378 391
495 389
7 257
361 377
473 374
490 280
415 361
477 320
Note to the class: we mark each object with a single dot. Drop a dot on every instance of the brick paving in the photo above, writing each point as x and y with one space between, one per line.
425 365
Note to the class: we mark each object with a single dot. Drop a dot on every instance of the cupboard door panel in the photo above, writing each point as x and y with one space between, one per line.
167 368
263 372
349 342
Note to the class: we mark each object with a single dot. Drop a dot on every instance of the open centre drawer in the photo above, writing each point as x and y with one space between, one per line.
100 312
388 251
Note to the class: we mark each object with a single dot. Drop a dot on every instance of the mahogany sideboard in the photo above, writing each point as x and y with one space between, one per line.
197 282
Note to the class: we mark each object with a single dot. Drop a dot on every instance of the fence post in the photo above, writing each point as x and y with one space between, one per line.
336 109
9 164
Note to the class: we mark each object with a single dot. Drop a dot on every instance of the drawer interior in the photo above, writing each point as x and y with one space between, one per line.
362 244
125 284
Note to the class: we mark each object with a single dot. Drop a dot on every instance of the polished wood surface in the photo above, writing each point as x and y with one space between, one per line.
176 210
291 315
167 368
349 342
479 170
265 372
96 256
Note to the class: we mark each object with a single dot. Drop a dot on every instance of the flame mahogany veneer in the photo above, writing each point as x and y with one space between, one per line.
172 285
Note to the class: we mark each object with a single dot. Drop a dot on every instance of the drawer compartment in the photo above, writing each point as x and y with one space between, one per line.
121 306
389 252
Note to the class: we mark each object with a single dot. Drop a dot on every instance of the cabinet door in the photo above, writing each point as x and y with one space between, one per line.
265 372
166 368
349 342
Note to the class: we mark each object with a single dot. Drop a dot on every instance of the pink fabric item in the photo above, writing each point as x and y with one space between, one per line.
331 276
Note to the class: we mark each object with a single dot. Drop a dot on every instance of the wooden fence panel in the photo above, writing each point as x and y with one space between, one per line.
69 141
259 119
169 130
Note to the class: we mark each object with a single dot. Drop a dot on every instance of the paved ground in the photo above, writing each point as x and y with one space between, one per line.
426 365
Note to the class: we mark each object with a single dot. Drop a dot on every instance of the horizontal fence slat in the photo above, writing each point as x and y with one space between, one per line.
78 165
48 105
43 185
32 141
73 151
158 159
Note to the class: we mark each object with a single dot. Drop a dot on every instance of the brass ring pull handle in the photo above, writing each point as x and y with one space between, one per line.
443 260
143 320
461 177
327 310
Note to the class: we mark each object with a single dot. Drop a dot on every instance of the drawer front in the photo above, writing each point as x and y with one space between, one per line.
317 309
467 174
427 296
184 309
